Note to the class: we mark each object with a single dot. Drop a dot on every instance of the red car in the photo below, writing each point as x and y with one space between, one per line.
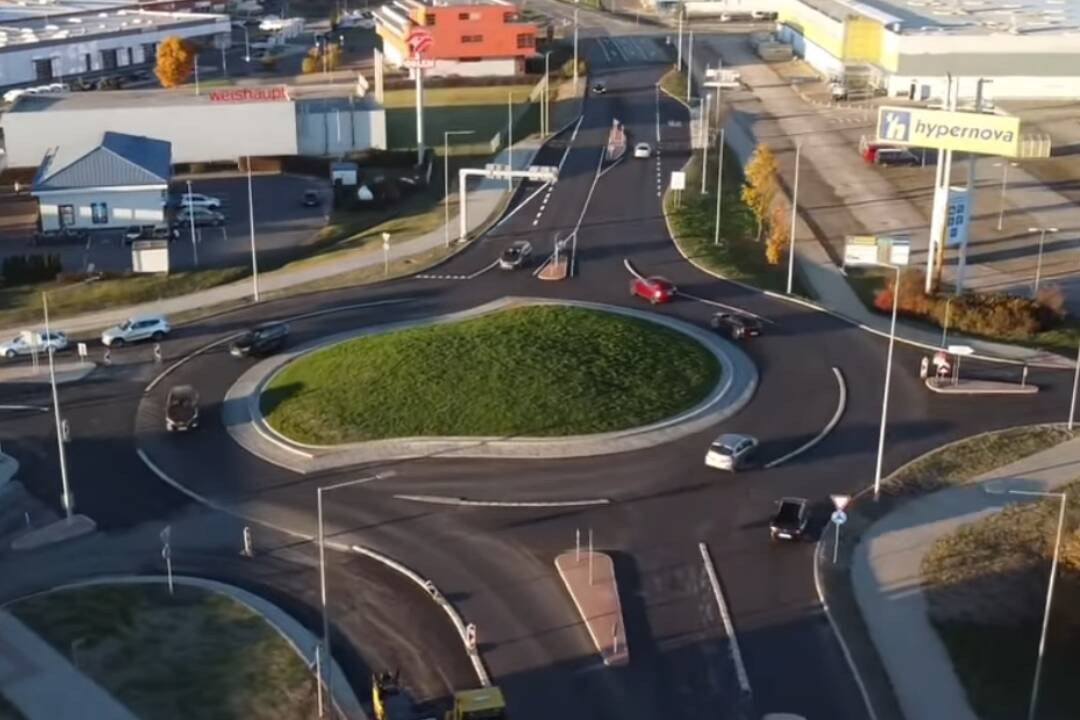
654 289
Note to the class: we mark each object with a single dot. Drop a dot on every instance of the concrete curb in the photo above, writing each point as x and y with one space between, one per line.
841 405
302 641
245 423
1000 388
467 502
440 599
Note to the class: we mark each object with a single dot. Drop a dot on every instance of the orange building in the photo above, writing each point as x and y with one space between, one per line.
468 38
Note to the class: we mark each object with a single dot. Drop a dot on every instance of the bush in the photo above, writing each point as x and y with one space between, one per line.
568 68
987 314
27 269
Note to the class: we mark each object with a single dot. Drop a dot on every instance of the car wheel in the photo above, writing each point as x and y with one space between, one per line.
157 336
117 342
653 300
714 323
10 354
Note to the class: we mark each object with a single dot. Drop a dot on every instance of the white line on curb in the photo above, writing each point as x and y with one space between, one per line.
584 209
39 408
725 616
841 404
466 502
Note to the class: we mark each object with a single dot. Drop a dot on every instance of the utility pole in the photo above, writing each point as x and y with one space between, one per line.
705 146
678 50
961 265
191 224
794 218
690 66
251 224
446 178
65 498
510 138
575 45
419 113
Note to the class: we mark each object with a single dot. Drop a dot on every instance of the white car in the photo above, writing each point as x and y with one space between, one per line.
198 200
357 19
642 150
29 341
144 327
730 451
13 95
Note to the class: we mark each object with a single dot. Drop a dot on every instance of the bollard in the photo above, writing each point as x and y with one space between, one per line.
1023 377
247 550
157 353
470 637
106 359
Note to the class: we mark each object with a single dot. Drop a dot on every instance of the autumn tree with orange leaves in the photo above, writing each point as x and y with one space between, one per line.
175 61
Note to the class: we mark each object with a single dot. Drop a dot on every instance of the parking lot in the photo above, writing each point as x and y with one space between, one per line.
282 224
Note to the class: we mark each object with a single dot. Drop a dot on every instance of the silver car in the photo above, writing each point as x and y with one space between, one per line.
30 341
730 451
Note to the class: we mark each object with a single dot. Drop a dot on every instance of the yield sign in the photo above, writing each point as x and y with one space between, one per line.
840 501
419 41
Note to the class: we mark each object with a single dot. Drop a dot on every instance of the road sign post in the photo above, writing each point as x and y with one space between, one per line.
166 553
839 517
386 253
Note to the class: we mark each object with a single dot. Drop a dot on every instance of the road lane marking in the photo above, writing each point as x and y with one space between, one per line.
725 615
469 502
841 404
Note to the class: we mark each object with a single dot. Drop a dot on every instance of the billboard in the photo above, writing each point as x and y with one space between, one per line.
979 133
861 250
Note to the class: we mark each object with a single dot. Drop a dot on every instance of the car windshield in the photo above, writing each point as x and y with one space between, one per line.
127 325
722 449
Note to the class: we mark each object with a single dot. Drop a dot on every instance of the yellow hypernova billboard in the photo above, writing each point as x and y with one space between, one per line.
965 131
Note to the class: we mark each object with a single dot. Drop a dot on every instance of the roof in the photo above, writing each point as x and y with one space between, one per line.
36 23
973 17
119 160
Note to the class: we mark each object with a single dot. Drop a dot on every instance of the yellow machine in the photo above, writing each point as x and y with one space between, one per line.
483 704
387 700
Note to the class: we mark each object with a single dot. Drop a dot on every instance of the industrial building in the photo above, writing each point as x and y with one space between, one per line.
67 40
467 38
218 125
122 180
907 48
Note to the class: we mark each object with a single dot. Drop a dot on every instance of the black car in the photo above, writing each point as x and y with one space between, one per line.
311 198
789 522
516 255
599 88
736 325
182 408
262 340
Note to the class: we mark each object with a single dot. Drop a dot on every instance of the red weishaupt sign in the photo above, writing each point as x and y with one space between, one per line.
273 93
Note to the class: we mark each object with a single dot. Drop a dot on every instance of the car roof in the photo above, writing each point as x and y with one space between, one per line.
731 439
144 318
182 391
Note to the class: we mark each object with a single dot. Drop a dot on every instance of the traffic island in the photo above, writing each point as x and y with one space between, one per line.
590 579
554 269
979 387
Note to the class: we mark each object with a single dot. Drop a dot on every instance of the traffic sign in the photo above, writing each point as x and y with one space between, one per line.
840 501
678 180
420 63
839 517
419 42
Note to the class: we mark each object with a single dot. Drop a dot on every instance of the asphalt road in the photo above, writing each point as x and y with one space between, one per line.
496 564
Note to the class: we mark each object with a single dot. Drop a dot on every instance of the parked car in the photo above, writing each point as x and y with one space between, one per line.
262 340
763 15
730 451
736 325
642 150
516 255
311 199
149 232
184 200
895 156
202 217
29 341
357 19
654 289
182 408
789 522
144 327
599 88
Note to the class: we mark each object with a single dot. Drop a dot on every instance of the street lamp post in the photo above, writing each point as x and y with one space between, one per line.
1038 262
575 46
1004 185
191 224
247 43
66 498
945 326
888 378
326 656
705 146
1076 385
1033 704
446 178
545 116
251 225
719 186
794 211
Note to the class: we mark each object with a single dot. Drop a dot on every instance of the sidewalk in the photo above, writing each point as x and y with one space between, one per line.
887 579
839 196
485 198
43 685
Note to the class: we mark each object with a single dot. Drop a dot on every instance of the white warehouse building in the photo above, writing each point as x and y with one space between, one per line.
66 41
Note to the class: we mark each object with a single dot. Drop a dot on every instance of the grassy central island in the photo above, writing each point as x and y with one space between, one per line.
531 371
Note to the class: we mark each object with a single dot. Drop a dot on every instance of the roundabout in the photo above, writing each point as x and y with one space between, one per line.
576 379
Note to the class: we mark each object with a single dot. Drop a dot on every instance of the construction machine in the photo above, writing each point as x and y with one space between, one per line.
481 704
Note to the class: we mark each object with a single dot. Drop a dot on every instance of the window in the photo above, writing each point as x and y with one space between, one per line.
43 70
463 16
429 19
468 16
472 38
525 41
149 51
99 213
67 215
508 17
108 59
131 56
88 62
